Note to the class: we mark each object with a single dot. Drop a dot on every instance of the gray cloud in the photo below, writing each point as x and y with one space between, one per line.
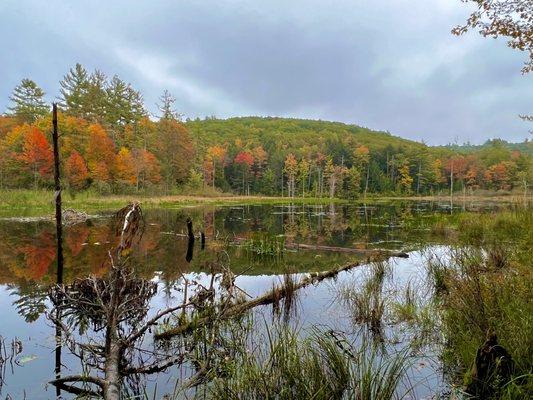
387 64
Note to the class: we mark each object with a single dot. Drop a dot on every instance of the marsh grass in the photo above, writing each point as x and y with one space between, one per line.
39 202
323 365
484 286
365 300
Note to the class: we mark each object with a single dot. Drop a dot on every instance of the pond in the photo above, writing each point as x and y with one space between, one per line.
242 236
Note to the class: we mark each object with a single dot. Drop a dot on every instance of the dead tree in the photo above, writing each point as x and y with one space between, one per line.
115 308
111 315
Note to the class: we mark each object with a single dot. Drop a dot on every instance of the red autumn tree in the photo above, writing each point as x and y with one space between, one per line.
244 158
37 154
76 171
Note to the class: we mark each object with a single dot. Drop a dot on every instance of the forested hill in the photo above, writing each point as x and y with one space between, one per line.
296 135
351 156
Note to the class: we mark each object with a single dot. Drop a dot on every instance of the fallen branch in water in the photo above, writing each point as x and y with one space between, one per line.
271 297
390 253
317 247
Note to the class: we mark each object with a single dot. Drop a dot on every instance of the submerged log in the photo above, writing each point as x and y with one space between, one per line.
317 247
302 246
270 297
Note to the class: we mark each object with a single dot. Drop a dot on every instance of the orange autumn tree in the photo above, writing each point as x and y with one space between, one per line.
260 160
11 163
76 171
37 155
125 167
100 154
146 166
215 155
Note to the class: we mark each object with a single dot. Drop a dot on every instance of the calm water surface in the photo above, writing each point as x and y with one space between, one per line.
28 267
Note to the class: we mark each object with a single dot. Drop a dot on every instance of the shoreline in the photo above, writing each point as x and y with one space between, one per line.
28 203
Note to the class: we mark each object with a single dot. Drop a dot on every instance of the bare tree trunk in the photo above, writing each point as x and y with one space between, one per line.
59 235
113 380
282 184
367 178
214 173
525 191
451 180
418 180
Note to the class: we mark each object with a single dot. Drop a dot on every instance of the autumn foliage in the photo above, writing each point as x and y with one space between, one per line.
110 143
76 171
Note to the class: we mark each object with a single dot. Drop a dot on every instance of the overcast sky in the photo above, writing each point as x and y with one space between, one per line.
386 64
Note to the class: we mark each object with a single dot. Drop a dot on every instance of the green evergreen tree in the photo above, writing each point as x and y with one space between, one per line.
124 104
74 92
28 101
97 100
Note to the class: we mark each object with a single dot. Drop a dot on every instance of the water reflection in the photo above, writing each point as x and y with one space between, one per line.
166 255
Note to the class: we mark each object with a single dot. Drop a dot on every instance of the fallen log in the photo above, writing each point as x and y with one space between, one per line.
316 247
270 297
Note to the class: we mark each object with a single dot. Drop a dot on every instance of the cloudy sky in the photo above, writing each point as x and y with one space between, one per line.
385 64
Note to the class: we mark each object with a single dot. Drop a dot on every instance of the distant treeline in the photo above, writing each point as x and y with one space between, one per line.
109 143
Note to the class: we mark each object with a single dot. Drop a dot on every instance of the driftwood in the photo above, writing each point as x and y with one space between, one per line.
272 297
117 306
492 368
73 217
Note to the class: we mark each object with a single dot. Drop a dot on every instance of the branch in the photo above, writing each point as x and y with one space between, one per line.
153 368
61 382
151 322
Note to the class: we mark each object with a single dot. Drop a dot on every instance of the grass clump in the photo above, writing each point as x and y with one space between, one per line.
365 301
323 365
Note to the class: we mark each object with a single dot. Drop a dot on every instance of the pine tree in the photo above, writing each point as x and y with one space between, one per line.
97 100
28 101
167 107
74 90
124 104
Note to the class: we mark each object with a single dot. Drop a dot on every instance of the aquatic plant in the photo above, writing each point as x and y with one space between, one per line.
264 246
